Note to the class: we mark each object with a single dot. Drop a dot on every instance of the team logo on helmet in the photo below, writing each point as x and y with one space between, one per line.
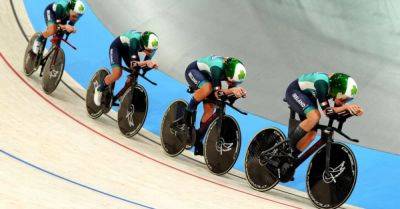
78 7
242 75
154 43
354 90
81 8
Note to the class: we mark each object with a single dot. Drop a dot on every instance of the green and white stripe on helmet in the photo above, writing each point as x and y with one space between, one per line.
149 40
78 7
235 70
342 86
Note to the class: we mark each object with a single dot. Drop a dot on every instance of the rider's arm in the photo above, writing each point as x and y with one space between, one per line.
232 85
229 90
340 108
215 78
321 90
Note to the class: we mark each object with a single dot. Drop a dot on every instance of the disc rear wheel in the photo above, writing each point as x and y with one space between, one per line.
172 144
258 175
30 59
93 110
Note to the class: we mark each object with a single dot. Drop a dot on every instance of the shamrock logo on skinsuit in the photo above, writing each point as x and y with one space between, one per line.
354 91
154 43
242 75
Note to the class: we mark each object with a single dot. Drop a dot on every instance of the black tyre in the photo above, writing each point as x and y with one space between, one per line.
332 189
172 144
258 175
53 70
93 110
133 111
222 145
30 59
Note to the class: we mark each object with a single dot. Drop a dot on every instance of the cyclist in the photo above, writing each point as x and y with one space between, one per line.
62 14
205 76
305 93
127 47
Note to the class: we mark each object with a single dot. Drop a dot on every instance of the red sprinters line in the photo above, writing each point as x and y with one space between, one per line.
126 147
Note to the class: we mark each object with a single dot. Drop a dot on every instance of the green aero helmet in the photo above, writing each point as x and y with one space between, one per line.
149 40
342 86
78 7
234 70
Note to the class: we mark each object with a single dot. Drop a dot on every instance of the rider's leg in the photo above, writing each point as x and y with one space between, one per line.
115 61
309 124
197 81
304 106
103 85
51 30
198 96
206 120
306 140
50 20
299 138
113 77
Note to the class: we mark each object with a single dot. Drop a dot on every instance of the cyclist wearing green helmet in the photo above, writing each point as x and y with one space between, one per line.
305 93
204 76
127 47
63 14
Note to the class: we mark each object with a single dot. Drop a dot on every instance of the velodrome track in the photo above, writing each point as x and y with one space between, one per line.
54 156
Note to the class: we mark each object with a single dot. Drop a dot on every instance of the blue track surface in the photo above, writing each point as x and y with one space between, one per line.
378 182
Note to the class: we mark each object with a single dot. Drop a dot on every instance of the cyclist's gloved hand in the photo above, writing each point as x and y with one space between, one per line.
354 109
69 28
239 92
151 64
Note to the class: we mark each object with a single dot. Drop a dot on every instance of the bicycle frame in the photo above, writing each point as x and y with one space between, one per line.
56 42
326 138
134 75
220 108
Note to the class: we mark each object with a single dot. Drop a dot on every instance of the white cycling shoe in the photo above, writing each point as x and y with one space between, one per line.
36 46
97 96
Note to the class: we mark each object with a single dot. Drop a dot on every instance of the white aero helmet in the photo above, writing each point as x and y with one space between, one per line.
78 7
149 40
342 86
235 70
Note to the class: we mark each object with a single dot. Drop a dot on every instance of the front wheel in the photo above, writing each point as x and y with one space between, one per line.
171 142
330 189
53 70
258 175
30 59
133 111
222 145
